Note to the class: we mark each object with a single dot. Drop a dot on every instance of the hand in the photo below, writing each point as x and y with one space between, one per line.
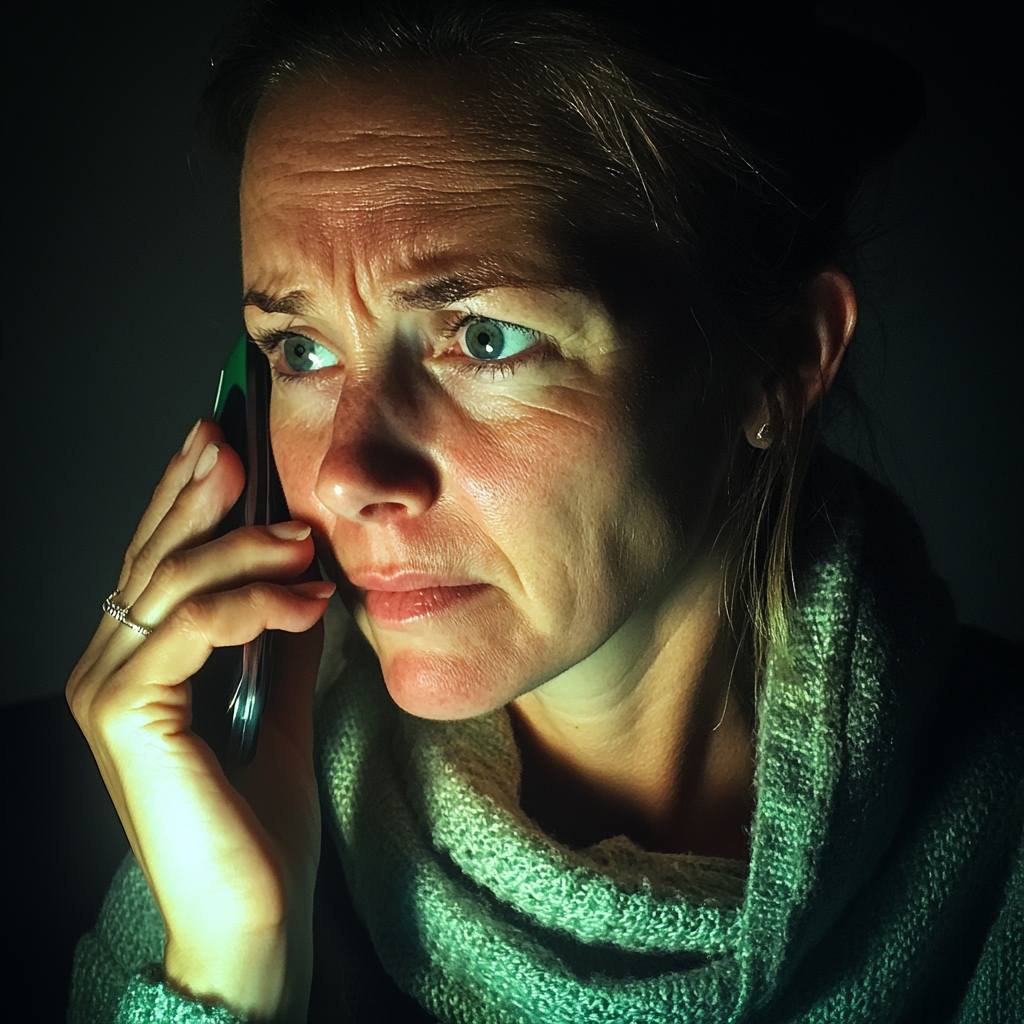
231 864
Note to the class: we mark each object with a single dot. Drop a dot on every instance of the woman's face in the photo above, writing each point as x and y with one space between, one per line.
449 413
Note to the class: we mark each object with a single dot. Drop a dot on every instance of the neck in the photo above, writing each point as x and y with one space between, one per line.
649 737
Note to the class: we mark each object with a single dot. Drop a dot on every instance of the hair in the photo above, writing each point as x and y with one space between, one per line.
717 164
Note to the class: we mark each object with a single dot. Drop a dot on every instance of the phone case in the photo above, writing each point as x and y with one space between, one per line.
238 678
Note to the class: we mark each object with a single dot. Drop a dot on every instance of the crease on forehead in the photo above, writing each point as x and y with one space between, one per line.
369 170
458 246
396 150
437 281
441 108
417 123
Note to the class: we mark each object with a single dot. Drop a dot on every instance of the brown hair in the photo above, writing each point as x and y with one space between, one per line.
719 161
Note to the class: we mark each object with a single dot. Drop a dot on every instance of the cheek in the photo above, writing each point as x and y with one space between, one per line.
534 448
557 489
554 494
513 470
300 441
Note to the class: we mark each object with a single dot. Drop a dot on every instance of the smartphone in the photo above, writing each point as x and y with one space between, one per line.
242 675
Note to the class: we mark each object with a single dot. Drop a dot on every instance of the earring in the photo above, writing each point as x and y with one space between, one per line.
762 438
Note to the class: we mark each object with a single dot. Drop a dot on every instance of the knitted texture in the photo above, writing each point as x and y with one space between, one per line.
885 881
117 974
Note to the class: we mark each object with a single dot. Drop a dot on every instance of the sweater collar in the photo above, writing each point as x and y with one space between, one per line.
482 917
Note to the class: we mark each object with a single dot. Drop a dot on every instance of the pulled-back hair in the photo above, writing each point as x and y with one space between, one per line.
714 160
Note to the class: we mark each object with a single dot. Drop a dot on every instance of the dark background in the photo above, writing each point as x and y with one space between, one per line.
121 285
120 294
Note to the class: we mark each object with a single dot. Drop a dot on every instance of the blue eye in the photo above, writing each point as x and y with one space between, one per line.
494 339
302 354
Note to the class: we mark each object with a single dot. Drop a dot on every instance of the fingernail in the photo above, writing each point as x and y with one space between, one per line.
191 437
206 462
289 531
320 589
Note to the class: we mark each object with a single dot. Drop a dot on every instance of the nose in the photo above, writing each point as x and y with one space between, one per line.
373 471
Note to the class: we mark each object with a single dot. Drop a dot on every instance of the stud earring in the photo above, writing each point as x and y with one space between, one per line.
762 438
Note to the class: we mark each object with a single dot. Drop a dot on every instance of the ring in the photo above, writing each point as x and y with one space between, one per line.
119 612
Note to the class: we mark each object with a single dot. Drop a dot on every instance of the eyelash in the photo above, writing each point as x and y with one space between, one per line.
506 367
270 341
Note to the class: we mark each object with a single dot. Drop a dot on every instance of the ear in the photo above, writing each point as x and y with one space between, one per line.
832 306
831 310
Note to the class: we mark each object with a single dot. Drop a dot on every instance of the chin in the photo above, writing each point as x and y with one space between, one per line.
445 686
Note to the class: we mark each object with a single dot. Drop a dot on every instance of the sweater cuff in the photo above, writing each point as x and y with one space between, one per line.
147 999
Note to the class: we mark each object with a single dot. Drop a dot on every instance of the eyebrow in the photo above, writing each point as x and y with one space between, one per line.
295 303
437 292
433 293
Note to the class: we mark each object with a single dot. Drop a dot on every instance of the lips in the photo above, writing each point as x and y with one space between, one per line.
397 597
406 605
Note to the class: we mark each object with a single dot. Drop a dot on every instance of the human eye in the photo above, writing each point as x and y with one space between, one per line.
303 355
298 354
492 340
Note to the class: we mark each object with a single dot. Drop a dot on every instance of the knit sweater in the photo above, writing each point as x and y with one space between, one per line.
886 879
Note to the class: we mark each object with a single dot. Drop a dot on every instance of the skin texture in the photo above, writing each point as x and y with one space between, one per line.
492 527
409 456
596 613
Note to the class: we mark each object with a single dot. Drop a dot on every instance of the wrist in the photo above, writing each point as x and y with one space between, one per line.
247 975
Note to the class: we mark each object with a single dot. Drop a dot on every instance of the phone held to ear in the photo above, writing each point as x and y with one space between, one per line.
238 678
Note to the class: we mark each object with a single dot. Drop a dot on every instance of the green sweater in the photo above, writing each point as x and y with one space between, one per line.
886 880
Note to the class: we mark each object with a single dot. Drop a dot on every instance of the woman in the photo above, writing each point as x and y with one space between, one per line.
627 729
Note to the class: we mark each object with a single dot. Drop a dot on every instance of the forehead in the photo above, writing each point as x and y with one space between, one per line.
405 174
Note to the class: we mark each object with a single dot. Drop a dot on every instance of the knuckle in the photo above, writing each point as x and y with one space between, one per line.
191 616
247 541
102 714
87 698
261 595
74 679
168 574
73 691
77 703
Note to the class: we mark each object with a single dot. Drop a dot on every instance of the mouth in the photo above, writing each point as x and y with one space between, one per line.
407 596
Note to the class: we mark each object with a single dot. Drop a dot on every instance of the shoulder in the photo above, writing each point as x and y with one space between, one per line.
996 663
972 720
928 754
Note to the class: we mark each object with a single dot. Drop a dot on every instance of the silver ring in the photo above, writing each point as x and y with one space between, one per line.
120 613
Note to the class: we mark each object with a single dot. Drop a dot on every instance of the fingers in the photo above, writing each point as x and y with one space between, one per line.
177 475
137 684
191 500
191 515
136 694
216 871
275 553
172 557
278 552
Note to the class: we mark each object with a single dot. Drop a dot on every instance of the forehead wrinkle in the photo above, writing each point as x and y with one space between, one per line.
423 265
377 148
445 178
313 203
344 189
